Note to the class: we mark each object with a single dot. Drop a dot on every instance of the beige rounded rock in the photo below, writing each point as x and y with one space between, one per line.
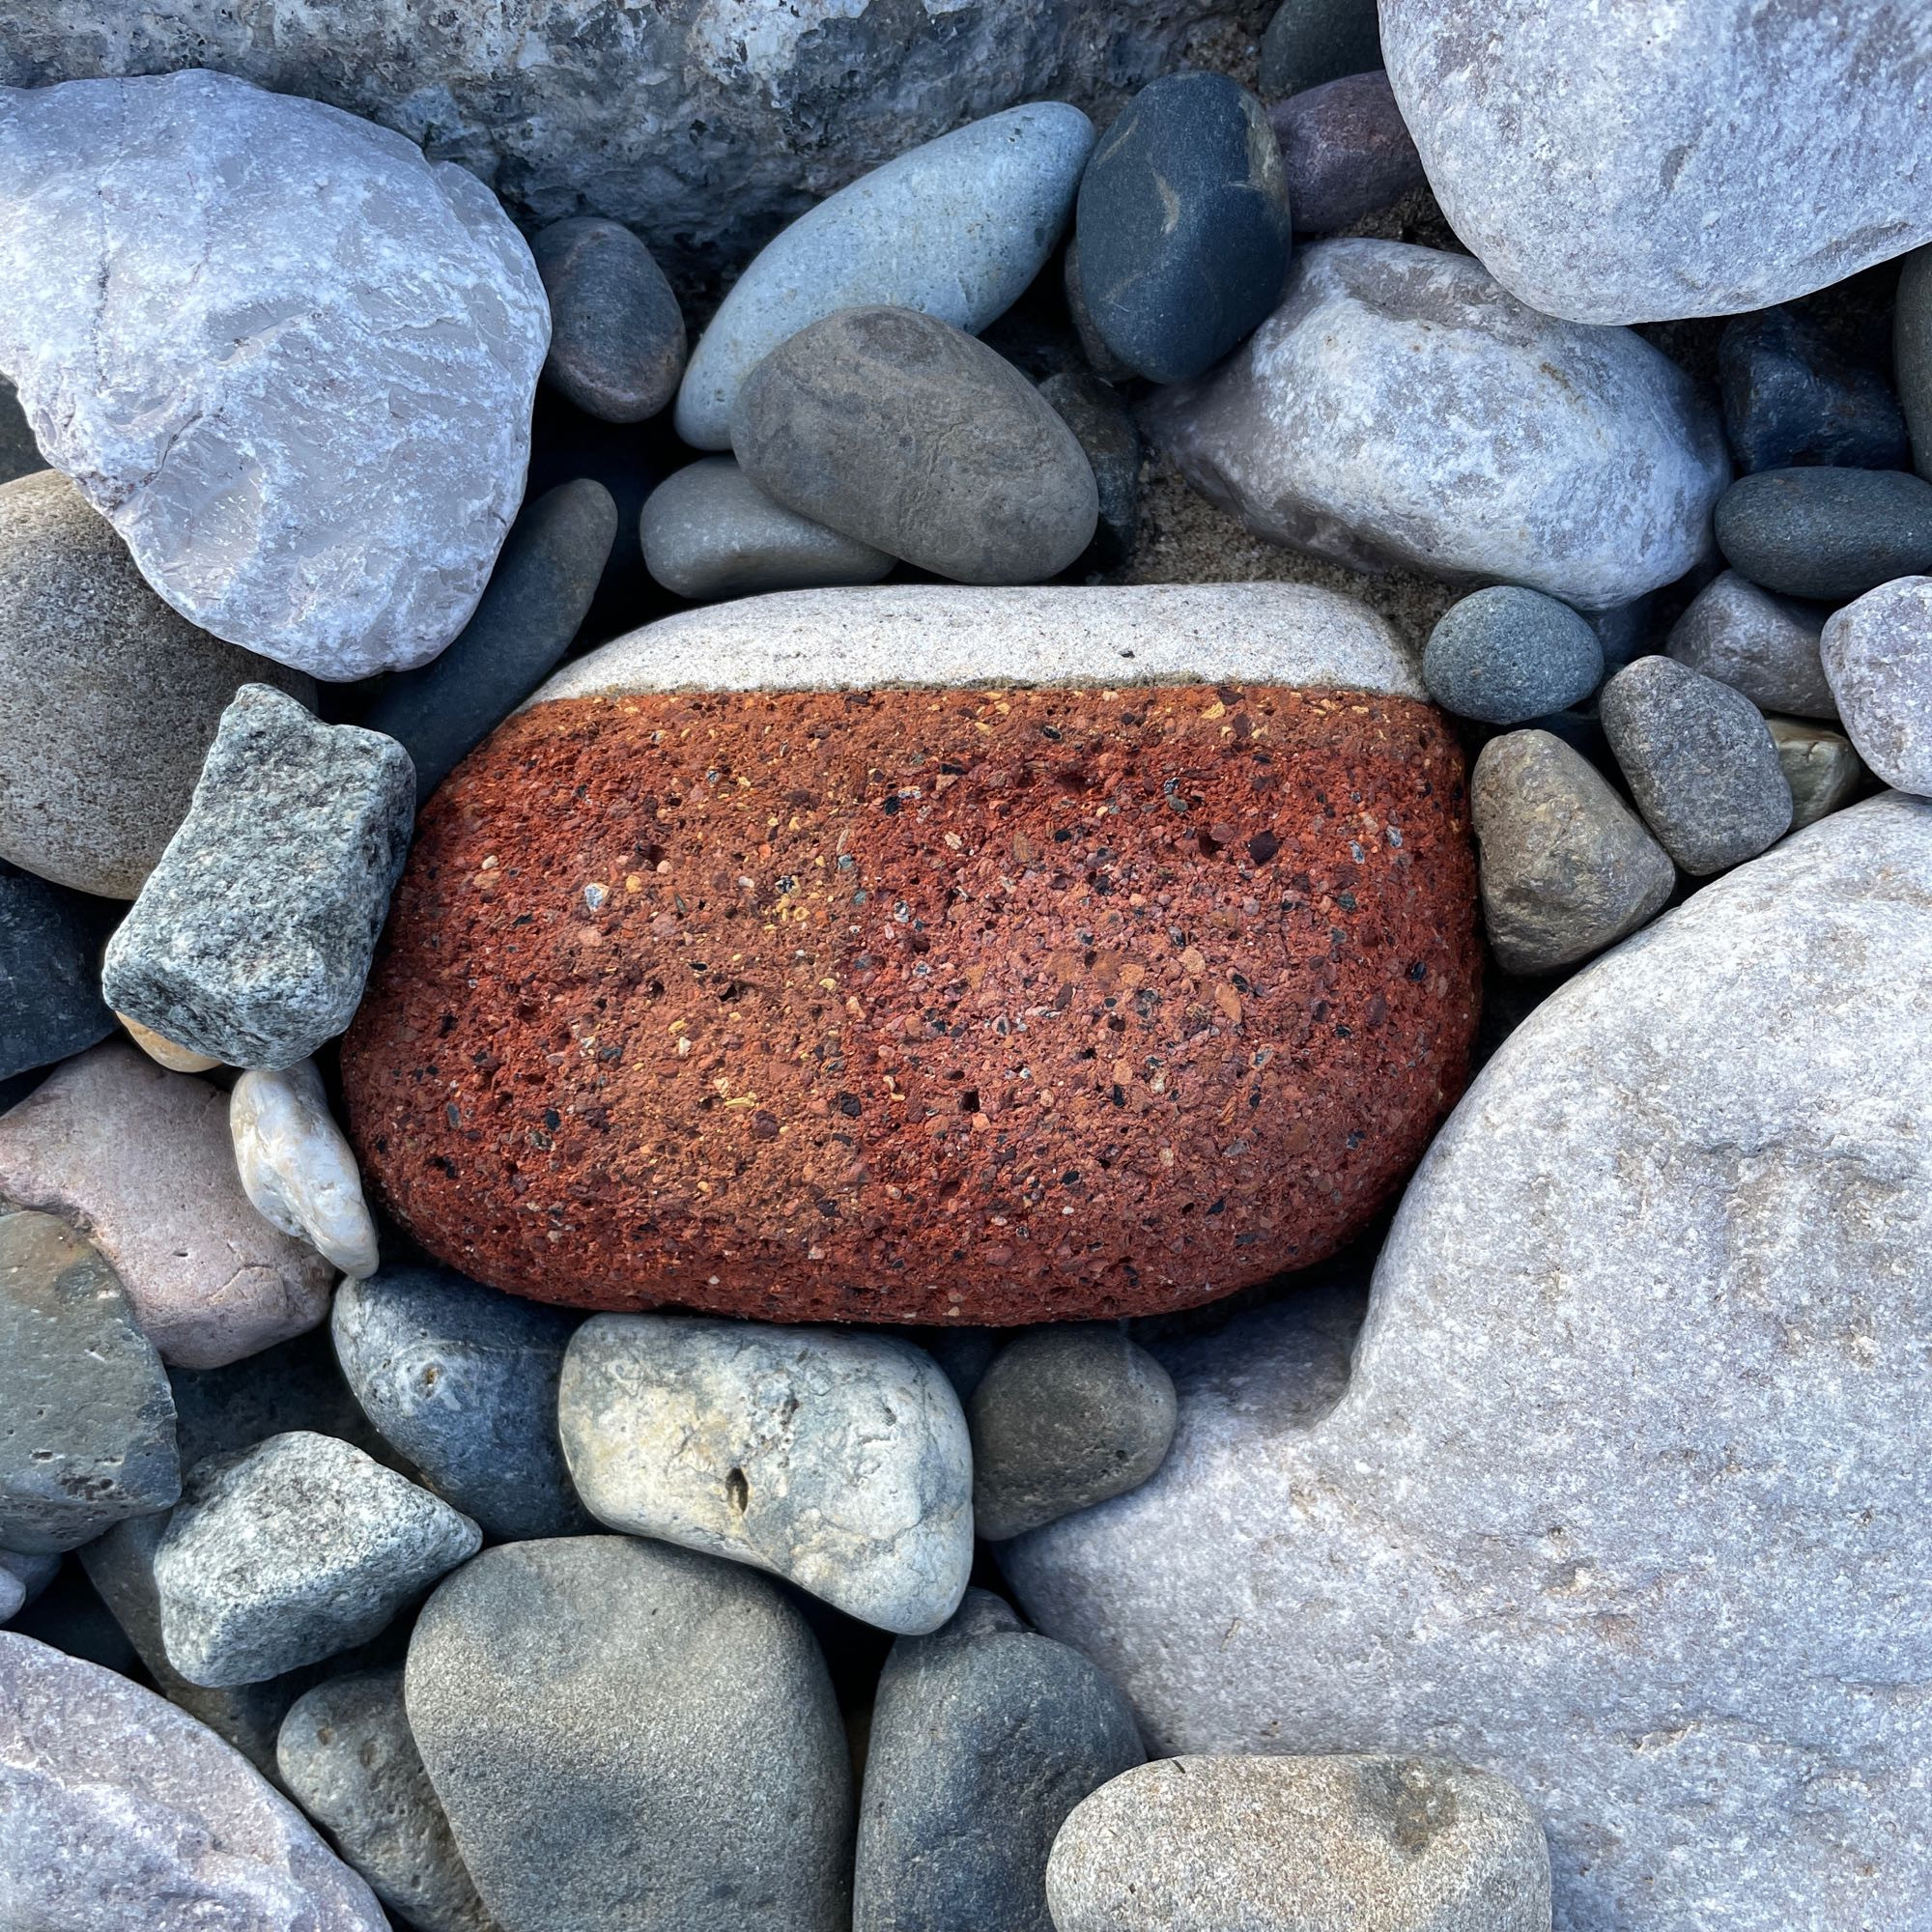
296 1168
165 1052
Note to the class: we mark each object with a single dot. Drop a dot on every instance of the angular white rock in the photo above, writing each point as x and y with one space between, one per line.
286 356
957 228
1637 163
1400 408
839 1461
296 1166
1624 1497
1877 653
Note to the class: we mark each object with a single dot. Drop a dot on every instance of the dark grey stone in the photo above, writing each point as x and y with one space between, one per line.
1789 398
23 1577
1102 422
19 454
1182 221
1832 534
87 1424
616 334
542 585
1345 151
252 937
1911 352
1757 643
899 430
963 1354
627 1734
1820 766
462 1382
985 1736
1622 630
1505 655
50 1003
1311 41
1699 763
1065 1417
1101 359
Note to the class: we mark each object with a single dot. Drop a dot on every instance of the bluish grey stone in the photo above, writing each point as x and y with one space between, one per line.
1505 655
22 1578
956 229
948 457
1757 643
1877 653
50 1003
1105 428
1311 41
1623 630
616 334
1345 151
1822 771
983 1737
462 1382
1183 225
1790 398
252 937
1911 352
709 531
1831 534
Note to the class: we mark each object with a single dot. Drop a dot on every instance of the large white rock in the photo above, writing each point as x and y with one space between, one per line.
1635 162
286 356
1401 408
1625 1496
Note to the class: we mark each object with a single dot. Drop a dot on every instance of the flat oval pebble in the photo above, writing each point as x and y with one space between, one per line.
710 532
1183 225
1757 643
955 228
296 1169
1242 1014
1832 534
49 965
1308 42
1505 655
840 1462
1345 151
1877 654
948 457
1822 771
616 334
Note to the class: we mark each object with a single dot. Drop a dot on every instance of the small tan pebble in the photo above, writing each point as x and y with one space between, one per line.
165 1052
296 1168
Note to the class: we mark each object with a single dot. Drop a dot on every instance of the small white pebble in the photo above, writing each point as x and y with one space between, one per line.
296 1168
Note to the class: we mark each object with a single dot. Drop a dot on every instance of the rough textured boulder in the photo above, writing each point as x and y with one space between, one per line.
1623 1497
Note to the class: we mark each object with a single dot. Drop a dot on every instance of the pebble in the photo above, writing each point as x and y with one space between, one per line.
251 940
1104 428
1183 225
840 1462
1821 768
87 1422
1757 643
165 1052
111 700
1100 359
729 1811
1789 397
22 1578
296 1169
1623 630
709 531
1663 1193
462 1382
536 602
1877 654
1505 655
955 228
1345 151
346 1757
323 347
1911 352
616 334
1698 761
141 1160
1830 534
1065 1417
19 454
1302 1844
1633 165
293 1551
1380 418
51 1004
121 1811
947 456
1567 868
983 1737
1308 42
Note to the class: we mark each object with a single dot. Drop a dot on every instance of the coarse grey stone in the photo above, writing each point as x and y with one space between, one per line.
956 229
1067 1415
838 1460
729 1811
1757 643
1877 657
616 338
1345 151
1308 42
87 1421
1340 1843
346 1757
1821 768
251 939
1699 763
710 532
947 456
111 699
1620 1498
1505 655
1401 409
287 359
122 1812
1104 427
51 1004
140 1160
983 1737
296 1167
291 1551
1566 867
1826 533
463 1380
1630 164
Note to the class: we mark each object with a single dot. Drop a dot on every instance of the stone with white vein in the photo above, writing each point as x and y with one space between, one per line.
296 1167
